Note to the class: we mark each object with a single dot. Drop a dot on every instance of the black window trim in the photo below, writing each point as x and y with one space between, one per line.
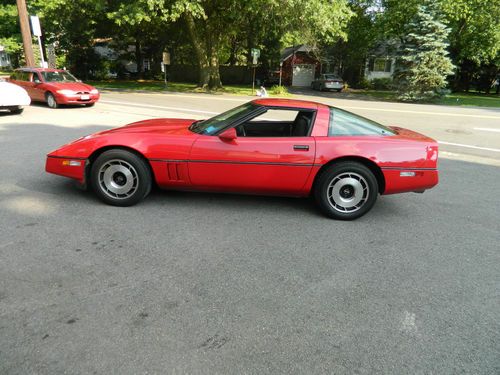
261 109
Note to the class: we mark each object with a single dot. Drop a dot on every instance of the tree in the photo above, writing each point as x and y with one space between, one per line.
474 39
10 36
73 26
423 61
211 24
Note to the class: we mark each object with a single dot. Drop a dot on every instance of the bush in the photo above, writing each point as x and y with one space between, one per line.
279 90
364 84
381 84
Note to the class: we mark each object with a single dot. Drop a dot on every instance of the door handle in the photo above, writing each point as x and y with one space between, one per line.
301 147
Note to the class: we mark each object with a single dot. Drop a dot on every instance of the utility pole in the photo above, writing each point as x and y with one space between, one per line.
25 32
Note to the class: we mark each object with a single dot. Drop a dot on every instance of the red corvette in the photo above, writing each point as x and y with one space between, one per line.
267 146
54 86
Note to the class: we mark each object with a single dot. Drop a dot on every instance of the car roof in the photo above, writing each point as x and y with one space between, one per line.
287 103
39 70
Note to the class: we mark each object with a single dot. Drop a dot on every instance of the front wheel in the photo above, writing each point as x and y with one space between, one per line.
120 178
346 191
51 100
17 111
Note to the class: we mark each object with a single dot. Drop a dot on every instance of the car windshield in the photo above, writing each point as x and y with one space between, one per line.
215 124
331 76
58 77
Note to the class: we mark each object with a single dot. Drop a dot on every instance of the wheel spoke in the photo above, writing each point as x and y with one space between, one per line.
347 192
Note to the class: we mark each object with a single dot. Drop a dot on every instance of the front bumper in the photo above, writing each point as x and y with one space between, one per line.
77 99
66 166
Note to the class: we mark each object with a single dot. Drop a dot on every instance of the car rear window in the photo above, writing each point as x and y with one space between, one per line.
343 123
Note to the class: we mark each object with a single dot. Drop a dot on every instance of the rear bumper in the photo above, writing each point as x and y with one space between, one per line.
334 86
402 180
68 167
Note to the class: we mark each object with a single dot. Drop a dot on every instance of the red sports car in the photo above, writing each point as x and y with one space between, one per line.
267 146
54 86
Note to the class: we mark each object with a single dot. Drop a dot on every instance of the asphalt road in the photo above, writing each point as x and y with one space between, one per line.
192 283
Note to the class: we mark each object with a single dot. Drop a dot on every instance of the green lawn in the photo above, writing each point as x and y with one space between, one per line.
159 86
456 99
476 99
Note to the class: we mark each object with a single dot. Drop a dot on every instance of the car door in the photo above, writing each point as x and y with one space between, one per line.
30 85
37 88
277 164
20 79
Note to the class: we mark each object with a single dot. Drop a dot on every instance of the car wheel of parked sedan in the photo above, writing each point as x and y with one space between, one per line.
51 100
17 111
339 90
120 178
346 190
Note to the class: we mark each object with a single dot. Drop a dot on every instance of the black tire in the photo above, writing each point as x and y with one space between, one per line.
127 182
17 111
339 90
51 100
346 191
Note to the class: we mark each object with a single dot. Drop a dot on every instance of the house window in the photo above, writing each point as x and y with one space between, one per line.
377 64
146 65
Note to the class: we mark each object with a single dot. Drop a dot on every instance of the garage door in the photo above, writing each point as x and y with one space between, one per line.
303 75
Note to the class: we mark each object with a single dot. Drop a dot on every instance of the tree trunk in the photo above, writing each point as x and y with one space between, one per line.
208 58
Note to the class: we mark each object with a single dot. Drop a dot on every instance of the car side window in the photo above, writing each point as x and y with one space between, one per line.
36 78
277 122
343 123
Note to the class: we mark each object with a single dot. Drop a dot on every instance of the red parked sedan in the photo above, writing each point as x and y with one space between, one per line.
54 86
267 146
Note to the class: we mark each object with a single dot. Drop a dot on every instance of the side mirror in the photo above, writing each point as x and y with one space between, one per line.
228 135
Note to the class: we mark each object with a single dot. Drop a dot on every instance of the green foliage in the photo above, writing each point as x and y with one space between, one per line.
10 36
423 61
381 84
475 29
279 90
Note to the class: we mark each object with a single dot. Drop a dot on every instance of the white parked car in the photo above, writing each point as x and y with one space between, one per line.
13 97
328 82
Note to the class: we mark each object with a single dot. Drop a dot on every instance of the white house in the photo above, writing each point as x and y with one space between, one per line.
4 58
381 62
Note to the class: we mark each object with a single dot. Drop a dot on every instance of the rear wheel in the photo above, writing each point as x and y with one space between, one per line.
346 190
120 178
51 100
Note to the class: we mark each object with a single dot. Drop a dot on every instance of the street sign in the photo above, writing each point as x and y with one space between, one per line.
255 52
166 58
35 26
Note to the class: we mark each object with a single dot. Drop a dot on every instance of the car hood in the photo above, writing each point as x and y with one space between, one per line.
166 126
74 86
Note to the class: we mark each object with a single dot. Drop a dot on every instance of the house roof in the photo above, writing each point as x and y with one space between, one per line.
289 51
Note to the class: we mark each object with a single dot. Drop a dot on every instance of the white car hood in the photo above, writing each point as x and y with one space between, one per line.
12 95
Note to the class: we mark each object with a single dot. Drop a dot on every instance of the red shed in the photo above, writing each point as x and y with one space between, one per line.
299 66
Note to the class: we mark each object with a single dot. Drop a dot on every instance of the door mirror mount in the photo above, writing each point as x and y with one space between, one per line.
228 135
